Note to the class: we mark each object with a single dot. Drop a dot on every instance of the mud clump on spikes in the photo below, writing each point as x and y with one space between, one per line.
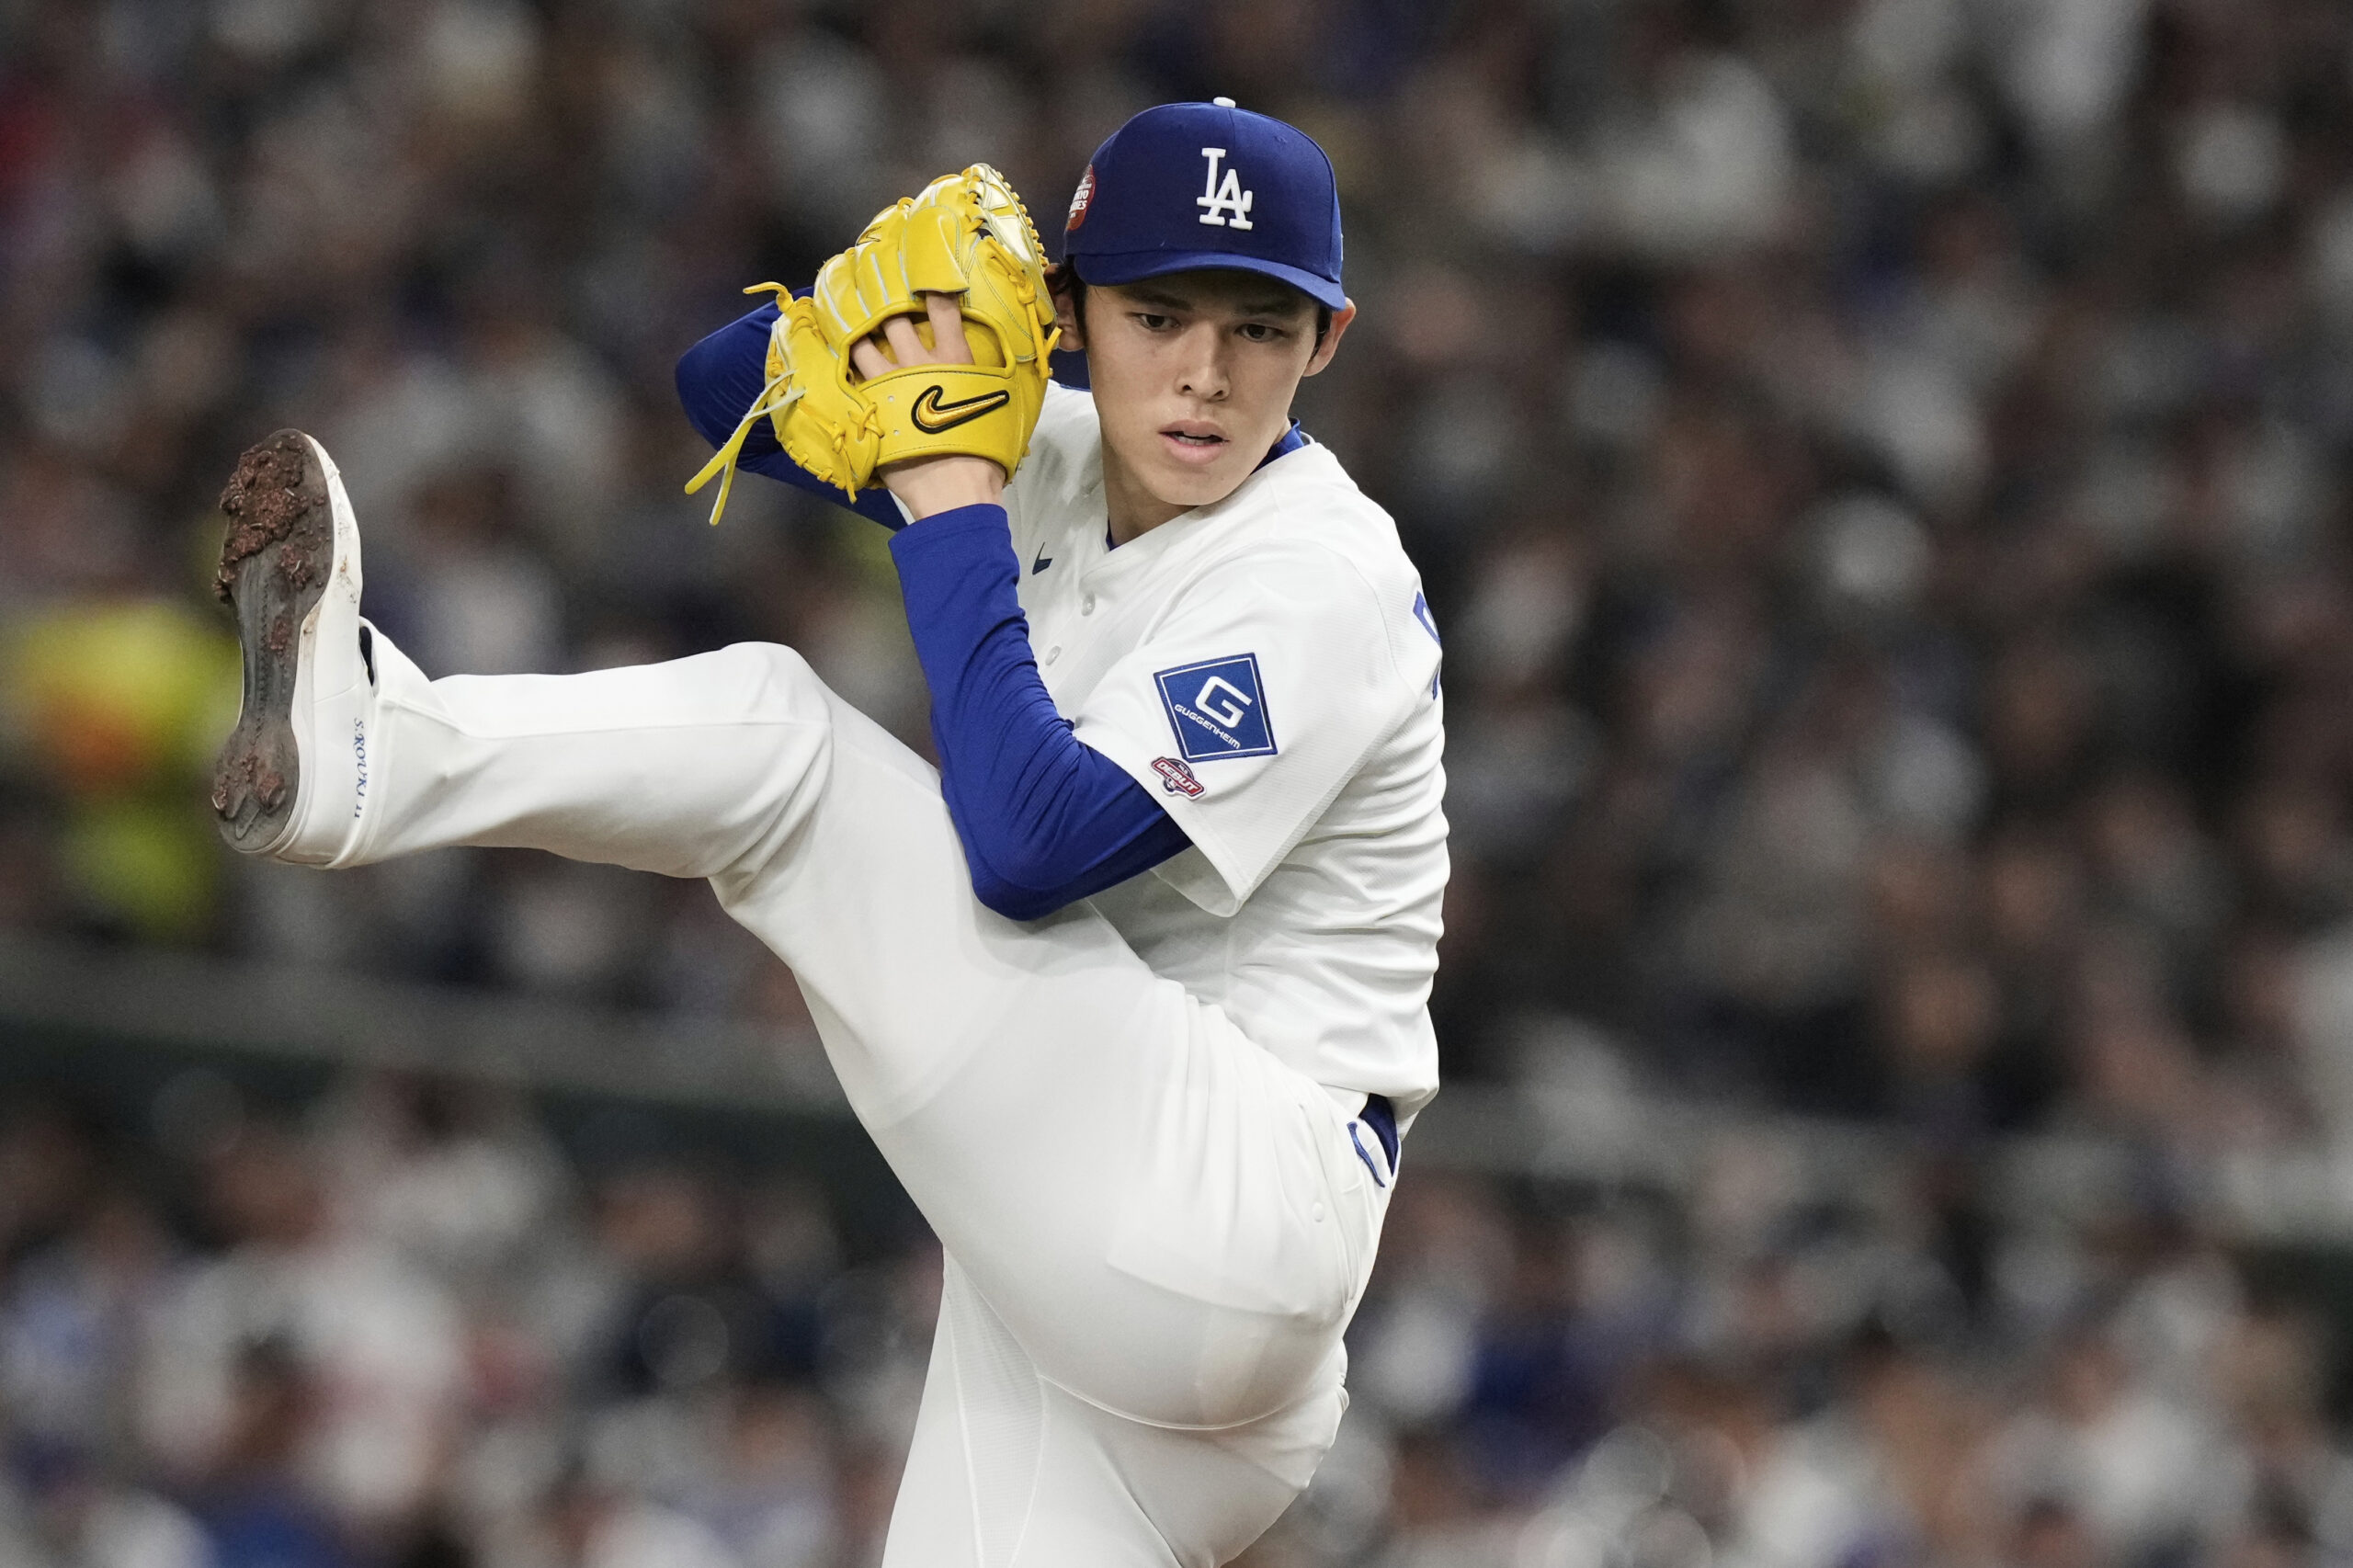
278 495
294 565
242 777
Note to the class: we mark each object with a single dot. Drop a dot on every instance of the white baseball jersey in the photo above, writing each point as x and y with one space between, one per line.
1267 668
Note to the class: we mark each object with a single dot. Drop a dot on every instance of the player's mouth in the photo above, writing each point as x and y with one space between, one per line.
1193 440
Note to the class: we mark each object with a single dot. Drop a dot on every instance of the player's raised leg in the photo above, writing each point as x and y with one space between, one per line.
674 769
1171 1222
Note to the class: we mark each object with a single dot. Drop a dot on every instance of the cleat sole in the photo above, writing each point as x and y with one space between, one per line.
275 560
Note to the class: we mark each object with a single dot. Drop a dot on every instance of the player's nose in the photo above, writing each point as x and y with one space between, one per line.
1202 370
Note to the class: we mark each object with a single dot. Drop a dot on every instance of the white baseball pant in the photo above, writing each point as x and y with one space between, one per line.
1155 1231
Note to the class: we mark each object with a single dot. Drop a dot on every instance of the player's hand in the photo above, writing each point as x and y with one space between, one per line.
929 486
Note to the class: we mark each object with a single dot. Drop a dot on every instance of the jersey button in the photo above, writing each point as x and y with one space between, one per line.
1087 605
1053 652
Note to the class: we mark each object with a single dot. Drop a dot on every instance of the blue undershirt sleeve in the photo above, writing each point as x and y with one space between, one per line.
718 378
1046 820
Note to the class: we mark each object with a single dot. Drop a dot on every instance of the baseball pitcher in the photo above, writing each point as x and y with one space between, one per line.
1131 992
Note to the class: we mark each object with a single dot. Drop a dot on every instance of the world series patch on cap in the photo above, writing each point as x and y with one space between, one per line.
1183 187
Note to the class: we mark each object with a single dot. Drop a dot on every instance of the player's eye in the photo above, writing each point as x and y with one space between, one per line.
1261 332
1151 323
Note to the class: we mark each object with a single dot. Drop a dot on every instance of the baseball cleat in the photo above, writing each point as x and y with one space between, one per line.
292 776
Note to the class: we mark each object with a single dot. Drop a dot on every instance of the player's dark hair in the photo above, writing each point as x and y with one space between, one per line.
1066 280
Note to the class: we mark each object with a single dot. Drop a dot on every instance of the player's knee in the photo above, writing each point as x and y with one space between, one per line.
1242 1374
775 681
783 706
1173 1362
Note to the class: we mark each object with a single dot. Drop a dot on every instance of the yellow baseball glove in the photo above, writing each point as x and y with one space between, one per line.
965 234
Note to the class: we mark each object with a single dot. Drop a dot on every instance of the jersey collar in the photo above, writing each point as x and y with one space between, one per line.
1293 438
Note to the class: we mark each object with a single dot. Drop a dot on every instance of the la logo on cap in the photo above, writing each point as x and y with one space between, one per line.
1228 205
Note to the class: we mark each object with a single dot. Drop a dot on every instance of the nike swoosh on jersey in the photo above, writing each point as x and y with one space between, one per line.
932 416
1041 561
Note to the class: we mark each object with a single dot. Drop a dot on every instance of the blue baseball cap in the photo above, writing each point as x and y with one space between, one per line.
1182 186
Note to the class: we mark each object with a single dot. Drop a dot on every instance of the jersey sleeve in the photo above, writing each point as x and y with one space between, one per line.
1261 692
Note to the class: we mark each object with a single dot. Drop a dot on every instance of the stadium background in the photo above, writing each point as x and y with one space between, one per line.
1880 468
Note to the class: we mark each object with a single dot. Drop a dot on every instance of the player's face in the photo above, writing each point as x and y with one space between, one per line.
1193 376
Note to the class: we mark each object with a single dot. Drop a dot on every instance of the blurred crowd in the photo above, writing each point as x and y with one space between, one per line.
1880 470
405 1332
401 1326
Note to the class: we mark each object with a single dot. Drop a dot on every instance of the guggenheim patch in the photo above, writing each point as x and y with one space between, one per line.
1216 709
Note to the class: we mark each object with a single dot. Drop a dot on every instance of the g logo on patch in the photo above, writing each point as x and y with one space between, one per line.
1223 702
1217 709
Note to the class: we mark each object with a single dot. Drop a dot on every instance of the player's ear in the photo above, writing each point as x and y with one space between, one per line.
1063 285
1331 344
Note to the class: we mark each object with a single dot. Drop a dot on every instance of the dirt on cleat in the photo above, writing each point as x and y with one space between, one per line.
277 498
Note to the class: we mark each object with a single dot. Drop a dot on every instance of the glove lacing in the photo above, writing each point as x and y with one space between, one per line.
769 403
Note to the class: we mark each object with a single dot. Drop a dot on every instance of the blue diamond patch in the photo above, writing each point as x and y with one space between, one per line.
1216 709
